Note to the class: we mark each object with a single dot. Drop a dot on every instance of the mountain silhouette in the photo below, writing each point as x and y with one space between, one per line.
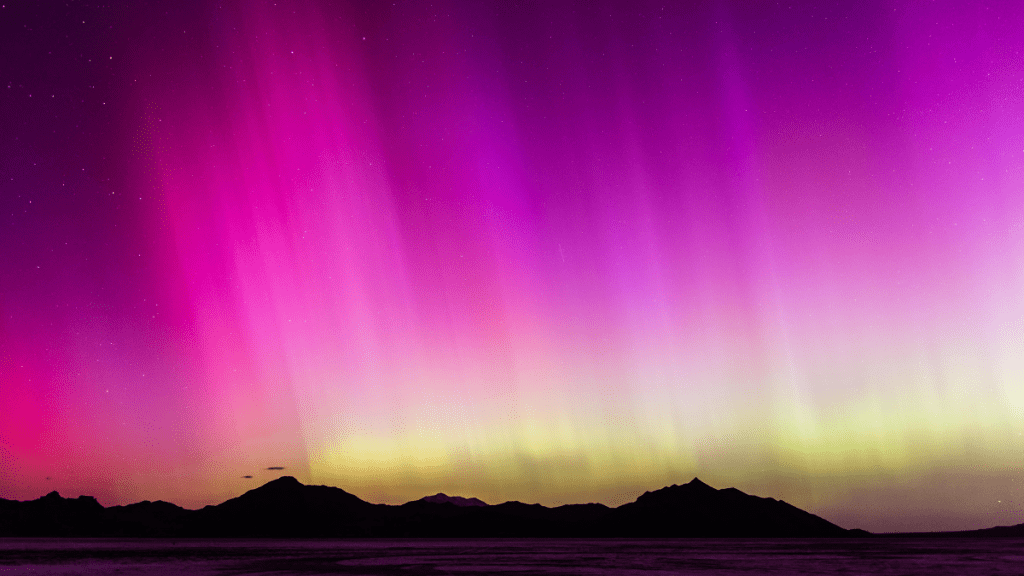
145 519
440 498
285 508
51 515
696 509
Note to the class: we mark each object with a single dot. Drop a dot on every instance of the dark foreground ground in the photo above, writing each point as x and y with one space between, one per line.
594 557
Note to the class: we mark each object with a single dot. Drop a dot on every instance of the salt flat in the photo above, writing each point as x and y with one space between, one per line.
157 557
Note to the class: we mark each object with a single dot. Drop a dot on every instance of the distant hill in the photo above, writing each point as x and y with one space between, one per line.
1015 531
456 500
287 508
146 518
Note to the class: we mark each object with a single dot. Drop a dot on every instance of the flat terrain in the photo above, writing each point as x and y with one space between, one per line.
888 556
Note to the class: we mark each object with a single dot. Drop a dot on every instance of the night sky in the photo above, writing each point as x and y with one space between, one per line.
545 251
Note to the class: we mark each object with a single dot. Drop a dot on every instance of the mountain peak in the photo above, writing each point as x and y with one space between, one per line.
284 481
693 489
442 498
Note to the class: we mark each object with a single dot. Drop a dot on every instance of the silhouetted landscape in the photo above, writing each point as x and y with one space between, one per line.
285 527
285 508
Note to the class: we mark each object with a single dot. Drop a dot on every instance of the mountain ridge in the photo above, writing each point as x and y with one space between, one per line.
442 498
285 507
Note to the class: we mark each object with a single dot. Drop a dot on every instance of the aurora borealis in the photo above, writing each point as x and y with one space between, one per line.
546 251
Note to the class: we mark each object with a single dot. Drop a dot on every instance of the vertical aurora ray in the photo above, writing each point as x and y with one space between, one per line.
550 253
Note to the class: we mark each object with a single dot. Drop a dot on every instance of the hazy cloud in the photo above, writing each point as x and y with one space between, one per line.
246 476
275 468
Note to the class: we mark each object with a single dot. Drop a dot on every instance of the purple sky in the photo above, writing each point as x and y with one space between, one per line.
542 251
